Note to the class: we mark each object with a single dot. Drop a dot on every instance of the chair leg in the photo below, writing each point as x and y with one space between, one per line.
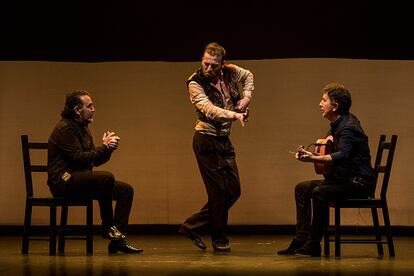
326 242
89 228
337 232
63 224
377 231
26 228
388 230
52 235
326 236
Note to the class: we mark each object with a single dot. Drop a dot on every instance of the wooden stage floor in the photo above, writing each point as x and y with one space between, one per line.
175 255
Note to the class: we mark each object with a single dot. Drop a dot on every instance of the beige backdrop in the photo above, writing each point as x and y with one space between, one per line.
146 103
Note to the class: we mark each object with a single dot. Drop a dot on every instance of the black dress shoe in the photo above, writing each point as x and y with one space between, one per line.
194 237
123 246
113 234
221 247
294 244
310 248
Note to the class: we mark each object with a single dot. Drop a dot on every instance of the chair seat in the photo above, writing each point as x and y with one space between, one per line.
359 203
58 201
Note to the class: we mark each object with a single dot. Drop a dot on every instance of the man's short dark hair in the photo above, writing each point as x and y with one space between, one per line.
73 99
215 49
338 94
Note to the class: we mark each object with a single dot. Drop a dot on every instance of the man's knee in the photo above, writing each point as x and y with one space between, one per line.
106 179
302 187
236 194
130 190
108 175
232 197
320 194
122 190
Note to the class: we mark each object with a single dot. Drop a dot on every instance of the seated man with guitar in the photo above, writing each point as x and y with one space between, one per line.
345 162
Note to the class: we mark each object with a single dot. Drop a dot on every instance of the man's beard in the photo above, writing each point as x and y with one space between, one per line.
210 76
85 120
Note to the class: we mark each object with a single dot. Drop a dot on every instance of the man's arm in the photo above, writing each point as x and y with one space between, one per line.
307 156
211 111
245 77
71 148
345 145
200 100
343 152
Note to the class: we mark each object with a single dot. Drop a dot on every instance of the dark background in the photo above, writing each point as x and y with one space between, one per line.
178 31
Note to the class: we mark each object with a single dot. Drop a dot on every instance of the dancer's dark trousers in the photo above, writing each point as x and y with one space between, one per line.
216 161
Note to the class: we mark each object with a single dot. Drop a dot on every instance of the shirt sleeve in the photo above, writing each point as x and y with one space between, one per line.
200 100
245 77
344 146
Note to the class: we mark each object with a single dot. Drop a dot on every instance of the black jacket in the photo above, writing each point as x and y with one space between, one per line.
71 149
352 156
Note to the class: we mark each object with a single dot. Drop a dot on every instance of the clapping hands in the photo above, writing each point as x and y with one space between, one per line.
110 140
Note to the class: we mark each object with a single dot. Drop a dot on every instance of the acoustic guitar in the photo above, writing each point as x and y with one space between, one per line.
323 147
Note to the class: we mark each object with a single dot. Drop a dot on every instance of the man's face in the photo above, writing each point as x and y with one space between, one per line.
328 108
211 66
85 111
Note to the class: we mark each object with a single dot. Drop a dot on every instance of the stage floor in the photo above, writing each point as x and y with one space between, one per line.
175 255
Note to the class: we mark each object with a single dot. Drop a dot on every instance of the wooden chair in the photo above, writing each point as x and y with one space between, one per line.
52 202
373 202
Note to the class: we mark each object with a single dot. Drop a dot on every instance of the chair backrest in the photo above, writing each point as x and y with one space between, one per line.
381 168
29 168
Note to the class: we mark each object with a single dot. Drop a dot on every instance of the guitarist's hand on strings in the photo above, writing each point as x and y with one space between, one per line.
304 155
308 156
